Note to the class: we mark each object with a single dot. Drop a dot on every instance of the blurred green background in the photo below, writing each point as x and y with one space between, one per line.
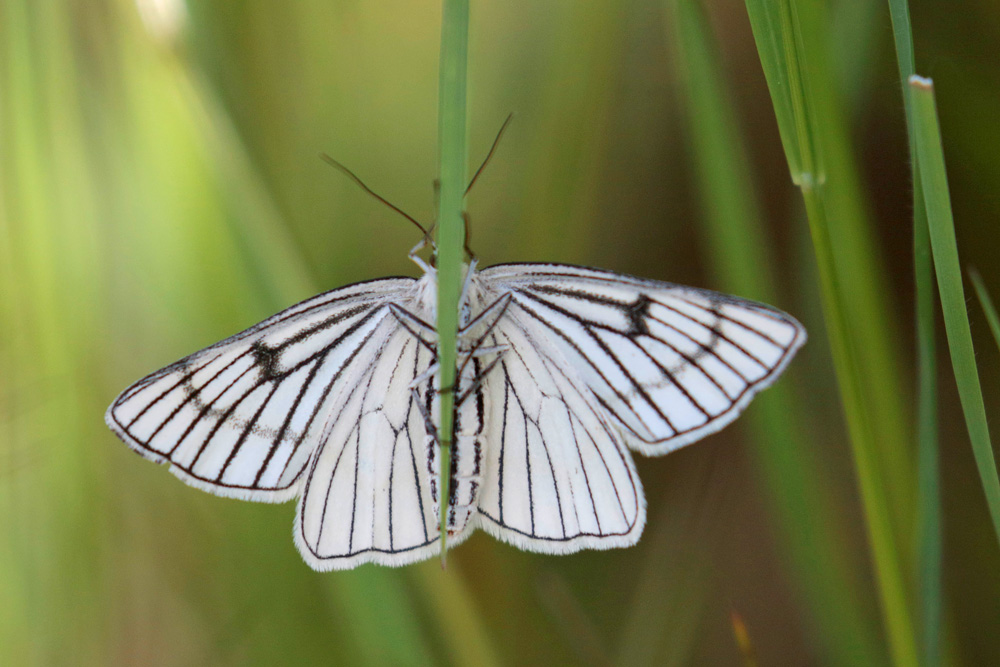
160 189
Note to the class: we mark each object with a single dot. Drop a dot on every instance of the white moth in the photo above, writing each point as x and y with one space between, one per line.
562 370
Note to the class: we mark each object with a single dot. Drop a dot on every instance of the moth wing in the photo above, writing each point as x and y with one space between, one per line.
557 475
242 418
670 364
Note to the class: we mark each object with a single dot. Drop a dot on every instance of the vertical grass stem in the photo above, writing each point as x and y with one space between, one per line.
453 152
928 537
733 228
848 362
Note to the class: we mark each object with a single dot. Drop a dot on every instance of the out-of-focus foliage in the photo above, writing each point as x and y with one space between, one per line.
160 189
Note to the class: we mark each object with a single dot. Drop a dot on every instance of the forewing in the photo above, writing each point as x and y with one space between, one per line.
366 497
242 417
557 476
670 363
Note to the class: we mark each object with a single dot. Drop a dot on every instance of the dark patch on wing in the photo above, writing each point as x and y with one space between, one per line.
637 312
266 359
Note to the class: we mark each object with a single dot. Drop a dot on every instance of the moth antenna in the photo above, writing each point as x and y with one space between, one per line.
354 177
493 148
468 232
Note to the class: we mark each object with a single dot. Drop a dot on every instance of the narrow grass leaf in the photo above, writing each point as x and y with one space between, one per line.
846 344
949 277
765 20
740 256
928 543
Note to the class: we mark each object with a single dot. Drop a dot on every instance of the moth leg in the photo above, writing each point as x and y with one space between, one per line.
423 243
468 279
478 381
468 240
422 331
501 304
426 375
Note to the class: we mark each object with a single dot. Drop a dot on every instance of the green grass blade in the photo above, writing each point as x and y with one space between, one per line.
987 303
765 20
902 33
949 276
740 256
451 230
852 240
783 22
929 549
